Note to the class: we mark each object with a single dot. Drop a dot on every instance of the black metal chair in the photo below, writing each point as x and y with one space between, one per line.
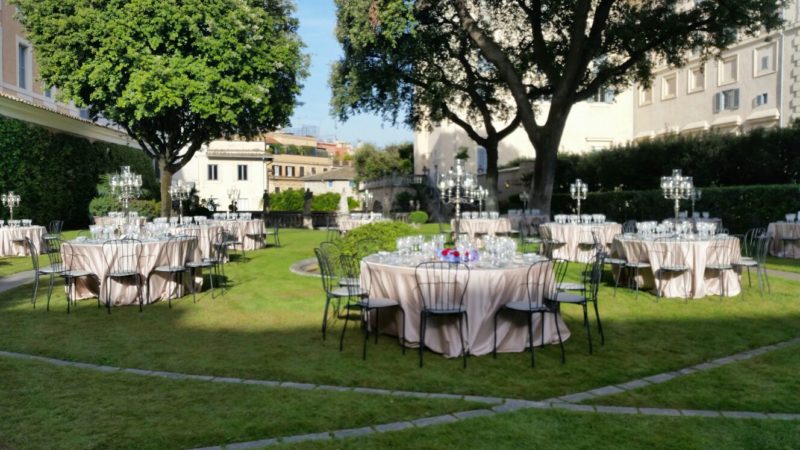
672 262
53 230
73 269
617 264
271 233
334 293
635 264
721 256
442 287
38 270
749 250
540 278
529 240
215 261
176 253
592 275
123 258
359 299
232 238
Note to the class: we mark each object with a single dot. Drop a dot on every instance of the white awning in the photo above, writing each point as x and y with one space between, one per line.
766 115
726 121
695 126
644 135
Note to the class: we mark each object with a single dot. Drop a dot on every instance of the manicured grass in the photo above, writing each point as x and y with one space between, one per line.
46 406
767 383
267 326
783 264
574 430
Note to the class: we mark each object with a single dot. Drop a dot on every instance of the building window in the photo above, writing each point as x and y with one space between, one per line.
645 95
669 86
727 100
302 171
48 93
242 172
760 100
22 63
697 79
603 95
728 70
212 172
764 60
330 184
277 189
83 113
276 171
289 171
313 171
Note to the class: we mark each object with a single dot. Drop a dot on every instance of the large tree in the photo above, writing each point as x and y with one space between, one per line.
564 51
174 74
410 63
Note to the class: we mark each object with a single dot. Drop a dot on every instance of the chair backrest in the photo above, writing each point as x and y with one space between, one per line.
442 285
332 253
177 250
723 251
762 247
593 275
55 227
31 248
629 226
218 247
73 259
232 232
540 282
560 266
123 255
750 241
359 282
329 280
669 252
366 247
53 248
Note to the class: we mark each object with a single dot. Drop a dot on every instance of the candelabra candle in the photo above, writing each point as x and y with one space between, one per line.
677 187
126 186
180 191
11 201
578 191
459 187
697 194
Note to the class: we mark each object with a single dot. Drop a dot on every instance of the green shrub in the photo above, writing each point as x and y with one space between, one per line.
327 202
289 200
418 217
739 207
100 206
381 235
352 203
147 208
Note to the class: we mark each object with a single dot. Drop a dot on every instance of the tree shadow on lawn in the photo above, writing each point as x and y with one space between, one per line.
268 339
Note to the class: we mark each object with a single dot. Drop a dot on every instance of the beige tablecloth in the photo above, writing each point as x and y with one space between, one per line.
91 257
528 219
574 236
483 226
487 291
696 254
8 236
248 230
105 220
789 248
206 236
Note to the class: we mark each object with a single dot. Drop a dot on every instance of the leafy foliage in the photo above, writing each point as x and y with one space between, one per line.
173 73
379 235
418 217
326 202
371 163
352 203
289 200
57 174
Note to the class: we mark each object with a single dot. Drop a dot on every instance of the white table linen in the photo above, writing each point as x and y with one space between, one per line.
12 240
483 226
784 248
573 235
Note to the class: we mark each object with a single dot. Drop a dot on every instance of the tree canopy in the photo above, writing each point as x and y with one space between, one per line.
173 73
529 52
371 163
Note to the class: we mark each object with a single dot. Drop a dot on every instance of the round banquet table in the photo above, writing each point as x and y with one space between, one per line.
483 226
247 230
205 234
573 236
12 239
698 253
785 239
487 291
89 255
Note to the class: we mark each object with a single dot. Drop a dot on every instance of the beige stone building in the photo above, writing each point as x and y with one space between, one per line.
287 171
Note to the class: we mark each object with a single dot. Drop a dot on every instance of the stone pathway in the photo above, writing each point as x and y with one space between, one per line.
495 405
9 282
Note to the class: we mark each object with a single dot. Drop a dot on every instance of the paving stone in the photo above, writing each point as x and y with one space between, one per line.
781 416
262 382
573 407
84 365
635 384
743 414
138 371
511 405
479 399
173 375
704 366
226 380
661 377
303 386
687 371
576 398
199 377
411 394
306 437
605 390
353 432
436 420
251 444
372 391
616 409
474 413
447 396
58 362
324 387
209 448
107 368
723 361
699 413
660 411
394 426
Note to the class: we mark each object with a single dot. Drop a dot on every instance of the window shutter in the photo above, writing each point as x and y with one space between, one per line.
735 99
717 103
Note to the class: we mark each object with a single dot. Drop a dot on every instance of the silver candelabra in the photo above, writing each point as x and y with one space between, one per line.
525 197
481 194
677 187
578 191
458 187
180 191
697 194
366 197
126 186
11 201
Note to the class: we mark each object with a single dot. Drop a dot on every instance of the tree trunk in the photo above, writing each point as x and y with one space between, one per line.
546 144
166 181
491 174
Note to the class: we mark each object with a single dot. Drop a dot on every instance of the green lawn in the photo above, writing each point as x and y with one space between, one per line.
783 264
767 383
266 326
14 264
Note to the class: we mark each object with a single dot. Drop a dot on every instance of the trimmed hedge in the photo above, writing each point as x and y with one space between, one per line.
418 217
289 200
713 159
382 235
739 207
56 174
327 202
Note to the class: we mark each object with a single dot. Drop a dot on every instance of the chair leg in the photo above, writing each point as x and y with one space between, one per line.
107 284
35 288
599 324
560 341
365 326
530 338
403 329
325 316
422 325
494 348
461 327
588 328
50 290
138 281
377 321
344 329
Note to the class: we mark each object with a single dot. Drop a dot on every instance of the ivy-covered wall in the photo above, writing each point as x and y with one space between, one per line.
56 174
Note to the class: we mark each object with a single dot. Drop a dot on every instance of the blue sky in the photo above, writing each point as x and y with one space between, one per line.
317 23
